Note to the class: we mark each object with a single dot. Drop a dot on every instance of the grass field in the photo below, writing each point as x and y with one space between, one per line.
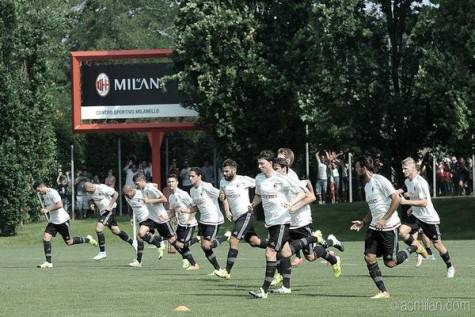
79 286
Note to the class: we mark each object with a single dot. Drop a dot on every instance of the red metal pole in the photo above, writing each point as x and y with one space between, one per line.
155 138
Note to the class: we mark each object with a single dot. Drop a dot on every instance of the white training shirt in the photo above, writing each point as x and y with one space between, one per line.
292 175
378 196
102 197
205 197
181 199
157 211
322 171
237 194
418 188
275 191
57 216
302 216
138 206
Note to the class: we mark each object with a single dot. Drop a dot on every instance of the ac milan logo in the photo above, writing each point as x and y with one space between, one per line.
102 85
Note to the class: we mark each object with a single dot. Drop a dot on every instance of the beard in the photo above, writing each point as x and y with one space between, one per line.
229 177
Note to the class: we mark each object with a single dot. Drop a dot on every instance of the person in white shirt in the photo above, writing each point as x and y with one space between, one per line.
322 178
234 193
274 192
180 202
382 235
205 200
105 197
423 216
58 221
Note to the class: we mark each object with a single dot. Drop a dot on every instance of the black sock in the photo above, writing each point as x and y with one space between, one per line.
375 274
232 254
79 240
140 247
186 254
327 243
151 239
408 240
299 244
264 244
212 259
277 264
269 277
124 236
403 255
298 255
47 248
429 250
446 258
101 238
216 242
321 252
286 269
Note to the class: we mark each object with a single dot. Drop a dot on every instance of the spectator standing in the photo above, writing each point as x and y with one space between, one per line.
185 177
322 178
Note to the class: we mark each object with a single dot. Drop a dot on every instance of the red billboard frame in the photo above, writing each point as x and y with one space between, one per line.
155 130
80 56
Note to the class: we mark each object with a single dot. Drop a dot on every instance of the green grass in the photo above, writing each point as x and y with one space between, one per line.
79 286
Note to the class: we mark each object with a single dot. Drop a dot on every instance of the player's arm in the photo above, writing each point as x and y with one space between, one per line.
416 203
358 224
212 191
255 202
160 199
115 195
57 205
392 208
188 210
227 210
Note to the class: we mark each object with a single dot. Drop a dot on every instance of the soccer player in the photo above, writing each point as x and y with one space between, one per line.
180 201
105 198
235 197
423 214
58 221
150 218
273 191
205 200
382 236
301 227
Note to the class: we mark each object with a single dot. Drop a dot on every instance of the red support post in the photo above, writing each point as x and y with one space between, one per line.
155 138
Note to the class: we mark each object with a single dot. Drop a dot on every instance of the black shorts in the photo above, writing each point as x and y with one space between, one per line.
184 234
278 236
382 243
163 229
303 232
62 228
108 219
207 232
244 227
432 231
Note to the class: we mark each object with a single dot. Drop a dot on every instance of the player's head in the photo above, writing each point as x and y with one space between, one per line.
40 187
363 165
128 191
140 181
286 153
89 187
264 161
281 165
172 181
195 176
229 169
409 167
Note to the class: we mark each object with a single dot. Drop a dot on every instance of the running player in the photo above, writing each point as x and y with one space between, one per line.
235 197
105 198
151 218
423 216
58 221
205 199
180 201
273 190
382 235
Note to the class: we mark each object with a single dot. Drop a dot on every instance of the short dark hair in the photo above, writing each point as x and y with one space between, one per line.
266 155
173 176
288 154
139 176
37 184
281 161
197 170
229 162
366 161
